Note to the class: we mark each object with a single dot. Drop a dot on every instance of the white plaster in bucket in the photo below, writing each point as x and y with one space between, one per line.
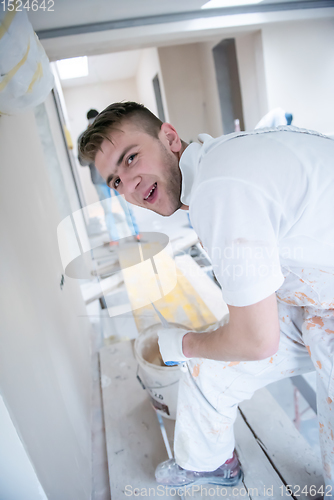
161 382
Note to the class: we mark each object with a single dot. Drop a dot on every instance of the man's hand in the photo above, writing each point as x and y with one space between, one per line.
170 344
251 334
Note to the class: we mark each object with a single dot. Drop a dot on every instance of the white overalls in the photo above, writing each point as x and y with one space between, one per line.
276 191
204 437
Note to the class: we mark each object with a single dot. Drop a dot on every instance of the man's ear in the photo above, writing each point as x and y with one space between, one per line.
169 134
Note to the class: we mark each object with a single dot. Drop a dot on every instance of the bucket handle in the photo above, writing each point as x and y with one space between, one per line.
153 387
139 379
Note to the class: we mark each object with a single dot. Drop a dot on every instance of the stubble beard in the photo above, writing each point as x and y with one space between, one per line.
173 181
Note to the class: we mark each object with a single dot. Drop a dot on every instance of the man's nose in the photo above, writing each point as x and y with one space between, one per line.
131 183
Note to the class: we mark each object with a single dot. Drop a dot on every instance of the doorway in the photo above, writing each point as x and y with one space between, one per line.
228 84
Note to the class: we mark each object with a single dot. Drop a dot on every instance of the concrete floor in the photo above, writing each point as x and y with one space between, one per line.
283 392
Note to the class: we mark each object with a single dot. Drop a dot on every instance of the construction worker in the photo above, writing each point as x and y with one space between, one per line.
262 204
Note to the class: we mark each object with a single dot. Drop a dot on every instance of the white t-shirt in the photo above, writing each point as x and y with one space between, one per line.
262 204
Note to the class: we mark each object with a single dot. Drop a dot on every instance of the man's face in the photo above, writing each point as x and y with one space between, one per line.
142 168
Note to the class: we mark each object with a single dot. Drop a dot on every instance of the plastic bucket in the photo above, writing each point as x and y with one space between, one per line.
160 381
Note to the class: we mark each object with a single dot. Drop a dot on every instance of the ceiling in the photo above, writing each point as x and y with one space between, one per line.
107 67
74 13
93 27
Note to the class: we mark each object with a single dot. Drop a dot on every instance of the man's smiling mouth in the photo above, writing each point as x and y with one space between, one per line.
151 195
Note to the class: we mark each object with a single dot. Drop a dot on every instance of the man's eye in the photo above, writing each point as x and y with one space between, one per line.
116 183
131 158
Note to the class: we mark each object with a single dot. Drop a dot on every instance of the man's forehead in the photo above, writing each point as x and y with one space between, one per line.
114 140
119 136
113 149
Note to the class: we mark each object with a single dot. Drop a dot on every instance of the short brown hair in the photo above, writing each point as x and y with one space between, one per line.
110 119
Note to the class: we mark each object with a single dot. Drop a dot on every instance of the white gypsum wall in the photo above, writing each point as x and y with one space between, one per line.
299 71
212 115
15 463
182 80
252 81
252 78
191 88
57 159
148 68
97 96
45 375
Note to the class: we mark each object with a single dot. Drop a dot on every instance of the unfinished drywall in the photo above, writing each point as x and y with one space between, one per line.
45 355
148 68
299 71
56 158
252 81
182 80
191 90
252 78
15 463
82 98
212 115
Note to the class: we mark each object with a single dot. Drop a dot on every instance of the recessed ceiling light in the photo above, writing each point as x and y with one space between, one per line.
74 67
215 4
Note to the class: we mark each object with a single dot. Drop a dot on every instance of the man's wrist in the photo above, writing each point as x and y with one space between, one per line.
188 343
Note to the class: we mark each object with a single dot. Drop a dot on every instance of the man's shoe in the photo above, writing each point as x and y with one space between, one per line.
172 475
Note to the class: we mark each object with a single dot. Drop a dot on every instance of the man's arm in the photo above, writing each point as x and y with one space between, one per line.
252 333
